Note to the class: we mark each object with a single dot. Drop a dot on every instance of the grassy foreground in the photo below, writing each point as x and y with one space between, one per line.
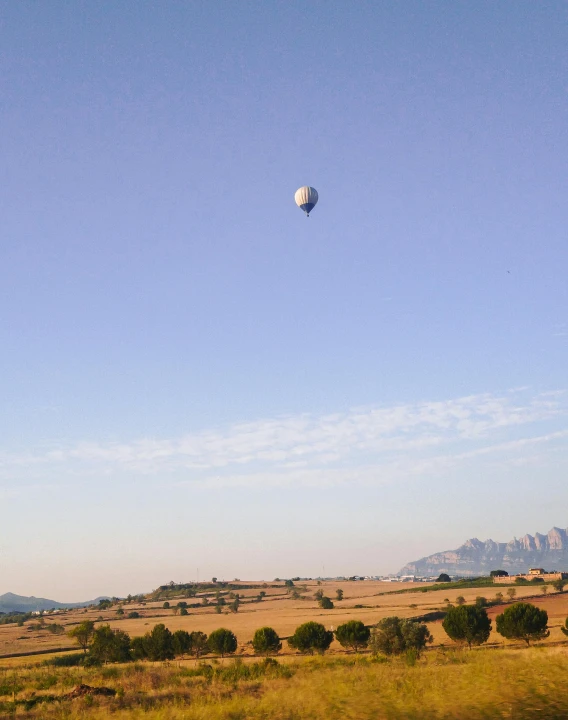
520 684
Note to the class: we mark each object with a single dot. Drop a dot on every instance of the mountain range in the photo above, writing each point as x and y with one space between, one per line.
475 557
19 603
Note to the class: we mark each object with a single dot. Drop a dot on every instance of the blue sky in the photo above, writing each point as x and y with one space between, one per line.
195 378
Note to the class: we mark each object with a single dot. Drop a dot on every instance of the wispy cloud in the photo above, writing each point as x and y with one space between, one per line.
363 445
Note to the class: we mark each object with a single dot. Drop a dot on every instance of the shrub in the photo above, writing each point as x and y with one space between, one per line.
266 641
481 602
443 577
326 603
133 615
460 600
523 621
353 634
559 584
498 573
467 624
339 595
222 642
393 636
565 628
311 637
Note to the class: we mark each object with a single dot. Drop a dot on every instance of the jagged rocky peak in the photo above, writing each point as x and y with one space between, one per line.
475 557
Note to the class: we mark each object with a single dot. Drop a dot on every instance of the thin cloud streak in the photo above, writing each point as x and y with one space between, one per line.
359 446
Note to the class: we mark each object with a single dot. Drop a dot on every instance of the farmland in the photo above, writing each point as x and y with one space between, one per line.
501 679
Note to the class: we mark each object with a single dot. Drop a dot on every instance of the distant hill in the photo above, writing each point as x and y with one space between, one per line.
475 557
19 603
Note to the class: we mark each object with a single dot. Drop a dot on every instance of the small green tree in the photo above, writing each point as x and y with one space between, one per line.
467 624
565 628
182 642
481 601
318 595
110 646
159 643
523 621
544 589
511 592
198 645
559 584
82 633
222 642
499 597
353 634
325 603
138 647
120 611
133 615
498 573
460 600
443 577
339 595
266 641
311 637
393 636
234 606
166 605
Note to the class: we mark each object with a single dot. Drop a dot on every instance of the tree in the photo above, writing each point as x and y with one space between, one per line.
183 611
511 592
311 637
166 605
182 642
159 643
559 584
133 615
460 600
499 597
214 580
544 589
82 633
109 646
318 595
443 577
266 641
198 645
481 601
393 636
234 606
222 642
138 647
289 583
498 573
326 603
523 621
565 628
353 634
467 624
339 595
120 611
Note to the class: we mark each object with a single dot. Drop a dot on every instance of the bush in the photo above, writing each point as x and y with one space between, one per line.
70 660
467 624
443 577
266 641
222 642
326 603
393 636
133 615
353 634
498 573
311 637
523 621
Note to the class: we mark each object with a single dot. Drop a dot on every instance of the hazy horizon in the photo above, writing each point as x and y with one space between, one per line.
193 374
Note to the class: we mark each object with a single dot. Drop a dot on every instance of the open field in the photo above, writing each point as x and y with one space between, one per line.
523 684
281 611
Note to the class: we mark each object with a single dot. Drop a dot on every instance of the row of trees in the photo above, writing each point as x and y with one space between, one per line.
471 625
467 624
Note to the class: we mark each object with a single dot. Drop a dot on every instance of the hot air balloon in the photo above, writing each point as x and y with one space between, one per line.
306 198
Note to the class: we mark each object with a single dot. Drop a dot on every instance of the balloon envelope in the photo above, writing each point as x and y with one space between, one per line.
306 198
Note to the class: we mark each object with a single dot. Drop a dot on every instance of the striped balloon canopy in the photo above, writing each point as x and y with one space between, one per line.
306 198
